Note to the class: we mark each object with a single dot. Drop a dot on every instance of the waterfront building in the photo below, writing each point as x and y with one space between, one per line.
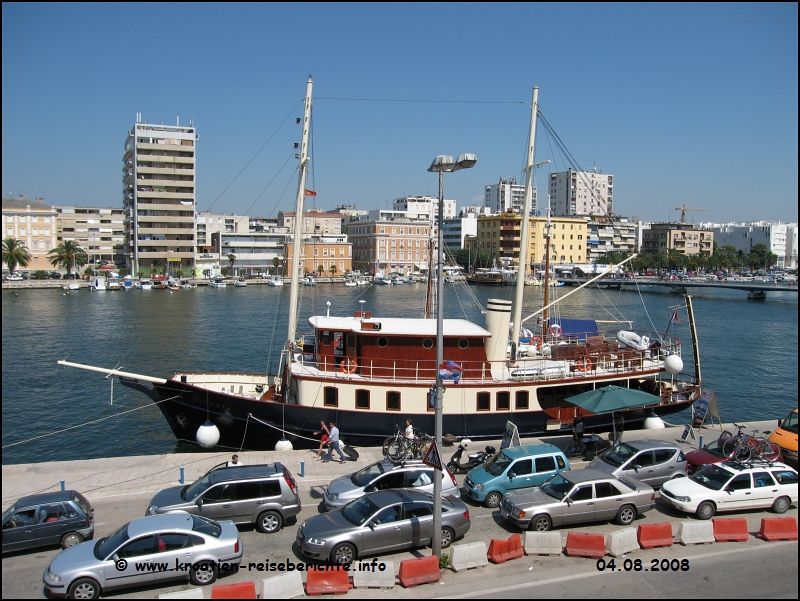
507 196
98 231
500 236
686 238
326 255
575 192
253 252
390 241
34 223
159 198
455 230
609 234
315 222
425 204
779 238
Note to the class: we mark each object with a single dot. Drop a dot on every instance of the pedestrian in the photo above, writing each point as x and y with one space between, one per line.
577 430
323 429
333 443
409 430
234 462
619 427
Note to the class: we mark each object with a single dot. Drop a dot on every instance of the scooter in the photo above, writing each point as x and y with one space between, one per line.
473 459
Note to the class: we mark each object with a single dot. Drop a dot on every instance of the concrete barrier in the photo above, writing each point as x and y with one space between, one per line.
414 572
333 580
543 543
469 555
236 590
730 530
370 579
773 529
287 586
655 535
189 593
622 541
585 544
695 533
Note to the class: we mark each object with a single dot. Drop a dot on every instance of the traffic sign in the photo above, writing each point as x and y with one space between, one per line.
432 457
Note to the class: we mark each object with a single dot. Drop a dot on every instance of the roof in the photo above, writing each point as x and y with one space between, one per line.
47 497
531 449
246 472
385 497
156 523
641 445
395 326
22 204
586 475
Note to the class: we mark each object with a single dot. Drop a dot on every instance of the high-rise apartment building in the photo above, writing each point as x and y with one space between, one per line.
581 193
425 204
507 196
159 198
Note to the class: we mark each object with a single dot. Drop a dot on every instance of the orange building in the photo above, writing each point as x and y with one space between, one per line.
321 255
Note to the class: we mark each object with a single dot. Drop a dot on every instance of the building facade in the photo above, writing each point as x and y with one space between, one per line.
315 222
685 238
425 204
390 241
252 252
507 196
159 198
581 193
455 231
610 234
34 223
98 231
325 256
777 237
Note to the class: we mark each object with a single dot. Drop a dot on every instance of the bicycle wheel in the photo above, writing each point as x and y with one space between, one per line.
743 453
386 445
770 451
396 451
425 443
730 445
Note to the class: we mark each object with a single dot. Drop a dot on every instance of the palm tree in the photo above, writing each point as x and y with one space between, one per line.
15 253
232 260
332 270
68 255
321 269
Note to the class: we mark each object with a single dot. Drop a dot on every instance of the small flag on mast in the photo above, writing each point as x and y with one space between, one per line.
675 318
310 193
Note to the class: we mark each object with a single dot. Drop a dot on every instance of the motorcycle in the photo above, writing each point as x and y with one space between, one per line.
473 459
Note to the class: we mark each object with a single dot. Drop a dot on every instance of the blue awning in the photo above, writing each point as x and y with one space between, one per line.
576 329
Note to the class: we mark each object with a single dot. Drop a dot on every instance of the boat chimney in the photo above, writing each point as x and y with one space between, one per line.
328 314
498 317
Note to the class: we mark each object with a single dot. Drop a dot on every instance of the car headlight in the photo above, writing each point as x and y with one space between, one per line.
683 499
315 541
479 487
333 496
53 577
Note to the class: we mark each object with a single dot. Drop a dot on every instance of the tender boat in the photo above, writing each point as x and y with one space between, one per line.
217 283
240 283
276 280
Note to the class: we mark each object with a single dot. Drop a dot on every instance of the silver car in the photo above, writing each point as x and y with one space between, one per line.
650 461
385 475
147 551
578 496
380 522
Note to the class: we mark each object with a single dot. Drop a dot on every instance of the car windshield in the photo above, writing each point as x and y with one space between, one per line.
191 492
619 454
790 423
108 544
498 464
557 486
713 477
206 526
359 511
9 511
368 474
715 448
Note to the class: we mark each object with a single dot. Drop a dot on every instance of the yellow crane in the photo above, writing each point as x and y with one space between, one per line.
683 208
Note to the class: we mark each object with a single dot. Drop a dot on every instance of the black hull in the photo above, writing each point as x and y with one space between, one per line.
258 425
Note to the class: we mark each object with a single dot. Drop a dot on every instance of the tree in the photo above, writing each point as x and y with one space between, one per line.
39 274
320 269
232 260
332 270
68 255
15 253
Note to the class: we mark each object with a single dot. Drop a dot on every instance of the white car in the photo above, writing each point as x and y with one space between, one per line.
14 277
732 486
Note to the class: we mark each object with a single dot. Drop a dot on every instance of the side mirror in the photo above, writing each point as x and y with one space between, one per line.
636 467
568 501
199 502
780 423
511 475
371 525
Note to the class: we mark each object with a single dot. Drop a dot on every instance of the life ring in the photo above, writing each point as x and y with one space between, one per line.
555 330
536 341
349 366
584 364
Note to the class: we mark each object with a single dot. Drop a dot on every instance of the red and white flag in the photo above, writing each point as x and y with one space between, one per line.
675 318
310 193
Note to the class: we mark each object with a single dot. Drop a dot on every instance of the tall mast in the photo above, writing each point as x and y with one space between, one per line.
546 271
525 233
298 220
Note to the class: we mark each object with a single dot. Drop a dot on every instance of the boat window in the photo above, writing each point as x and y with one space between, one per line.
483 401
331 396
393 401
522 399
383 341
463 343
326 337
362 399
503 401
427 343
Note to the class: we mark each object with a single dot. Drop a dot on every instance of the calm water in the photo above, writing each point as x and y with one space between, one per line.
748 351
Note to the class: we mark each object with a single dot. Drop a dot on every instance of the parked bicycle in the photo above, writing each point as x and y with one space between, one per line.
398 447
748 447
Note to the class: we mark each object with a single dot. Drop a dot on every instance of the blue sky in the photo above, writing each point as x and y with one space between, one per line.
689 103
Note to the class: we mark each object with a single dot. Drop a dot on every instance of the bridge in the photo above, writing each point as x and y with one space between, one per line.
756 289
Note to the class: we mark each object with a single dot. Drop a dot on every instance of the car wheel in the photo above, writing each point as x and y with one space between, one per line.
344 553
448 536
70 539
541 523
781 504
626 515
204 574
269 522
493 500
706 510
84 588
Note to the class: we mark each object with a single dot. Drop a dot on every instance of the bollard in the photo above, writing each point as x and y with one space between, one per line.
302 469
700 442
63 486
182 481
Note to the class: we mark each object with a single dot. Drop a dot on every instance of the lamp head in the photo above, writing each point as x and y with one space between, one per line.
442 163
465 161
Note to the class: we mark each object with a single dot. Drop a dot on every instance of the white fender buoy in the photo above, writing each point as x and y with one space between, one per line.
283 445
653 422
207 435
673 364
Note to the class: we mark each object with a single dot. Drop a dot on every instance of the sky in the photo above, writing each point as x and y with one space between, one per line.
691 104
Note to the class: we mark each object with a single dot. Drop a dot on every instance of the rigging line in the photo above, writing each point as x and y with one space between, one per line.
291 178
424 101
255 155
95 421
311 154
270 182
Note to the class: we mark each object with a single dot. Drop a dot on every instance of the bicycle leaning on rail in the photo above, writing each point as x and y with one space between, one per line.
398 447
748 447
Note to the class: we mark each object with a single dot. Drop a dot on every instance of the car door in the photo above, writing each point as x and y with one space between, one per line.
173 549
137 567
641 467
520 474
18 529
417 524
787 482
544 467
384 531
736 494
765 489
393 479
664 466
218 502
608 500
578 506
53 524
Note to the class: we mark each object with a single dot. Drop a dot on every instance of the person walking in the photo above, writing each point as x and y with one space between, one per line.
409 430
323 430
333 443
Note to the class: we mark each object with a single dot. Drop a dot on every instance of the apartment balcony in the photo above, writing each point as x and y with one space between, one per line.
163 147
167 195
165 170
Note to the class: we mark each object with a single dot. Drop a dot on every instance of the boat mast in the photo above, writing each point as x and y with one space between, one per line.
525 233
298 220
546 271
429 290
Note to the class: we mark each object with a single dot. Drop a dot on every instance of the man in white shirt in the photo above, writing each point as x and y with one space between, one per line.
409 430
334 443
234 462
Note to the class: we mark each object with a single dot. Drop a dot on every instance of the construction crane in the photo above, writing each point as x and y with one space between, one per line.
683 208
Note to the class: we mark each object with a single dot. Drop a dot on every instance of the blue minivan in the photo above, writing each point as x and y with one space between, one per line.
511 469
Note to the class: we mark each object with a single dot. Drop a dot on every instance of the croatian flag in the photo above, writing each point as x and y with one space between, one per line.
450 370
675 318
310 193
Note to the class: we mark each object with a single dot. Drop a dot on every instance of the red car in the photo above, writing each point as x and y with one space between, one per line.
709 454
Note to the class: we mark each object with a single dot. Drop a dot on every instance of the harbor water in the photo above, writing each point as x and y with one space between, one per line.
748 350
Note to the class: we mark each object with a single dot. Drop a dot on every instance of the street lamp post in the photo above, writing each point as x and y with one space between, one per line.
440 165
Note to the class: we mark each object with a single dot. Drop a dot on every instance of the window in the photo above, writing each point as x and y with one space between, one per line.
664 455
222 493
331 396
383 342
545 464
740 482
417 510
362 399
560 461
643 459
761 479
427 343
522 467
172 542
786 477
483 401
137 548
583 493
463 343
605 489
522 399
388 515
503 401
393 401
417 478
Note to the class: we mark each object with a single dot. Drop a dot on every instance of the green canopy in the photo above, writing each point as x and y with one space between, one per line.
613 398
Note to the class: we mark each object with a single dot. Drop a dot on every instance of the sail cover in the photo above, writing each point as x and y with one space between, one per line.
576 329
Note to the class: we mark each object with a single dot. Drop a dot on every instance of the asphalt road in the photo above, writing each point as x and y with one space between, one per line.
754 569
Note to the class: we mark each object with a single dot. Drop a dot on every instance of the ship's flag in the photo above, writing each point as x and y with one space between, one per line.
450 370
310 193
675 318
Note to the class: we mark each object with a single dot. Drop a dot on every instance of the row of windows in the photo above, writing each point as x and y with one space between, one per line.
393 400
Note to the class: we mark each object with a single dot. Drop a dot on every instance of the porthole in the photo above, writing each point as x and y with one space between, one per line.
383 342
427 343
463 343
